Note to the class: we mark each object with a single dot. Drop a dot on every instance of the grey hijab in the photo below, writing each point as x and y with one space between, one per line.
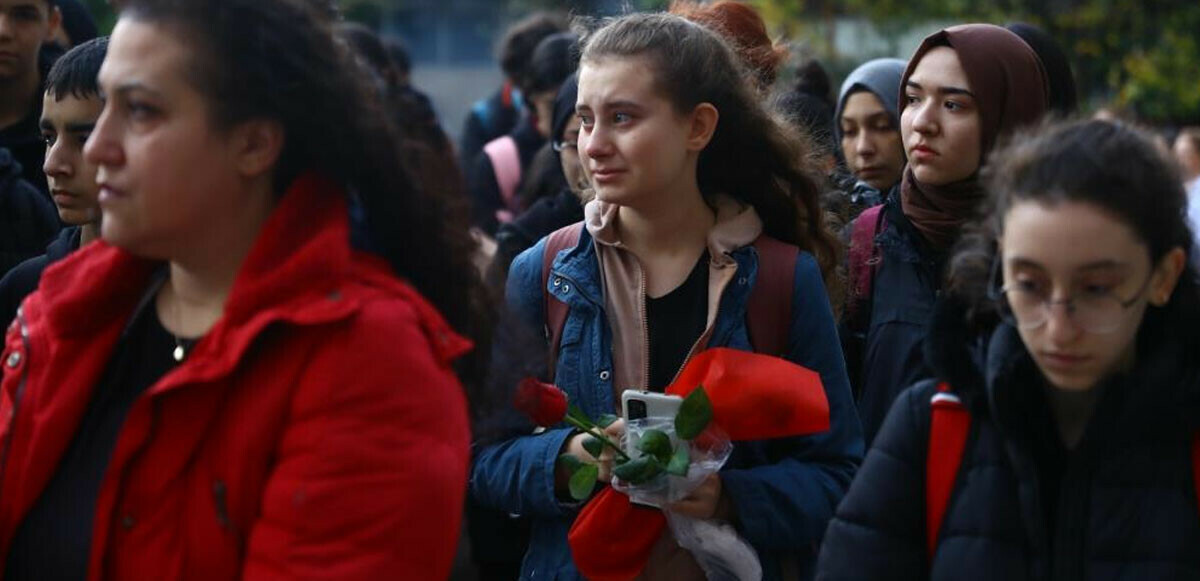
879 76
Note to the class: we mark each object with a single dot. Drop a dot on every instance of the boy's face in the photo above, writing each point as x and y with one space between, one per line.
66 125
24 26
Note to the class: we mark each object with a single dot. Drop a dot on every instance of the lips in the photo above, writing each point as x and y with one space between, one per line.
922 152
606 175
62 197
1063 361
110 194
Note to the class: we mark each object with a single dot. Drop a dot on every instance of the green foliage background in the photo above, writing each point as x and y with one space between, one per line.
1138 55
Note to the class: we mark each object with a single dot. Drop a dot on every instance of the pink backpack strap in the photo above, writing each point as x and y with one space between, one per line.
556 310
950 424
864 258
769 312
506 163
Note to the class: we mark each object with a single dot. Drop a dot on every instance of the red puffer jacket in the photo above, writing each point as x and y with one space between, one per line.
317 431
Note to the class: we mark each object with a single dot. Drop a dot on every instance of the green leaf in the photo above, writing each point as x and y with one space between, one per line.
583 481
639 470
593 446
679 461
606 420
656 443
570 462
694 415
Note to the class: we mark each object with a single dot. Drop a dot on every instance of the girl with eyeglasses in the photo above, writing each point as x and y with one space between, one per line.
1065 334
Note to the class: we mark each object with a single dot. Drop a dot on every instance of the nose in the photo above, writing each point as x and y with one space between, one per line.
1061 328
57 163
924 117
594 142
6 26
864 145
103 148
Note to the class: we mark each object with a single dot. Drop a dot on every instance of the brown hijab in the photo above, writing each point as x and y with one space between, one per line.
1010 89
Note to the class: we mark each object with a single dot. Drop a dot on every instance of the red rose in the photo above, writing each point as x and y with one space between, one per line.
545 404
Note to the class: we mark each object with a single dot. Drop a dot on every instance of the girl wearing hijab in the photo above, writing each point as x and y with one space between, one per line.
867 126
964 87
1078 436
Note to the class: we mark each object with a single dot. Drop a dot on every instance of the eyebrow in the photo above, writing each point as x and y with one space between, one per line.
618 104
869 118
126 88
943 90
1105 264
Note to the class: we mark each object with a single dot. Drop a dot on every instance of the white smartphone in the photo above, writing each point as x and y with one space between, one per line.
636 405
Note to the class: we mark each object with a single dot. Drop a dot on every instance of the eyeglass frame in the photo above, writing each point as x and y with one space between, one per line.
998 293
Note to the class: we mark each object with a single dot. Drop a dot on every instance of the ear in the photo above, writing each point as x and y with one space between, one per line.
256 146
703 121
53 24
1166 276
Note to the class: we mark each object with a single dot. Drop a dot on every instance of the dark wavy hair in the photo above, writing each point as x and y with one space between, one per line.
754 155
280 60
1112 166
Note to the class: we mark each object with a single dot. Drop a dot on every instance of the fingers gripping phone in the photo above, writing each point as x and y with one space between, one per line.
636 405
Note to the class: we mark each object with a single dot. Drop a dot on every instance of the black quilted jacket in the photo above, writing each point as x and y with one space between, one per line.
1121 505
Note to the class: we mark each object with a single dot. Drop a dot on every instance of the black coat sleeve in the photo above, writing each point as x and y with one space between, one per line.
879 528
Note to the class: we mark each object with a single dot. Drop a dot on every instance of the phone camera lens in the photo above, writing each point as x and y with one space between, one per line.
637 409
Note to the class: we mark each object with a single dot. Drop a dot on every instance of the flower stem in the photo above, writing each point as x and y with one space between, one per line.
591 431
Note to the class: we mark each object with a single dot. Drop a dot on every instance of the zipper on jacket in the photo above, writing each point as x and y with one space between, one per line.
12 422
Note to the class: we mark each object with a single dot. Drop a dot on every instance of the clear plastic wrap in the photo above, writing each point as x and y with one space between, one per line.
716 546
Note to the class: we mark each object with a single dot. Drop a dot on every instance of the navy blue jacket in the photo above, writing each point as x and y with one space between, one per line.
1121 505
784 491
906 286
28 219
23 279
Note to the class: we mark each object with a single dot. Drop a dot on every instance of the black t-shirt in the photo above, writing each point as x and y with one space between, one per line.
676 320
54 539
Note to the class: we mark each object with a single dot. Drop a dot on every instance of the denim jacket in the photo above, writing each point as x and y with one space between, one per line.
784 491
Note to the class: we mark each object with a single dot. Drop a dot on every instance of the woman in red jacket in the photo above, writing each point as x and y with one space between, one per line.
228 386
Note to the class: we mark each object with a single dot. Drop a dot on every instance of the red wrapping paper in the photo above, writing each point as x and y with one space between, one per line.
754 397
